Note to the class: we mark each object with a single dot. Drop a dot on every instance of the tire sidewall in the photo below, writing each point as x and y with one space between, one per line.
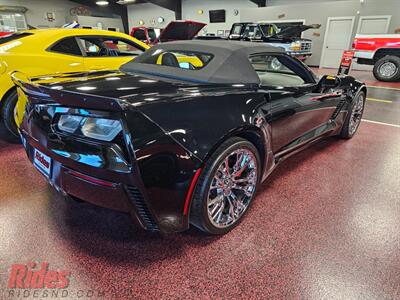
393 59
8 113
346 127
209 175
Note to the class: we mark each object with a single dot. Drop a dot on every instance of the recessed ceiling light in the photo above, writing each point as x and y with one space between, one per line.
102 3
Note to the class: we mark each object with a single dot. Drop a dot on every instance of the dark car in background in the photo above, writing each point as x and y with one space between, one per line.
286 36
175 144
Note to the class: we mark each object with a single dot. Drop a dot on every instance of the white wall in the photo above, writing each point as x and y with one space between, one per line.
37 9
105 22
148 12
190 12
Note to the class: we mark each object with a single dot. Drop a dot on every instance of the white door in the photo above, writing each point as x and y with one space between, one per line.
338 35
372 25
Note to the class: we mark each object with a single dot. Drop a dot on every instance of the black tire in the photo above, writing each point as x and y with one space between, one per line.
347 131
199 211
7 113
393 61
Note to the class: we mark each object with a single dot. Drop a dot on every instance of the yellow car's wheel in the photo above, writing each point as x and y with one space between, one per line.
7 113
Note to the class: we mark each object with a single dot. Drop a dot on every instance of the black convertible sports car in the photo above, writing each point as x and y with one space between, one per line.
185 133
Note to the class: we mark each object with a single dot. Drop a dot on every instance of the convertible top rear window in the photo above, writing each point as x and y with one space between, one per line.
189 60
13 36
214 62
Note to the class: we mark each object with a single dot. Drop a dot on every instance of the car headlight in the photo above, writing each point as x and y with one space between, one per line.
95 128
295 46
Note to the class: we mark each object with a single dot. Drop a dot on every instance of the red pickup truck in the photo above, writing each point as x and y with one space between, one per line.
382 51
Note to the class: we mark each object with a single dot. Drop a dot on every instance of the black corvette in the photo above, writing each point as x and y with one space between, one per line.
186 132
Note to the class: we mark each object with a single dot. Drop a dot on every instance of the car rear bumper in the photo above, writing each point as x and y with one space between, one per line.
94 189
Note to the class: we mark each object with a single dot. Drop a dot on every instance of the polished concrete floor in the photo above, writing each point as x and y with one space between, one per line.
325 225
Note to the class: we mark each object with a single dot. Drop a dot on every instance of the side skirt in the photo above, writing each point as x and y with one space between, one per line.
305 141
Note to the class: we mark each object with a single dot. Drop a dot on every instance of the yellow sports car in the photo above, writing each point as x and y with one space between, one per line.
54 51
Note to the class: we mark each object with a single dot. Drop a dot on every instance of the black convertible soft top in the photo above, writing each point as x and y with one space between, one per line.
230 63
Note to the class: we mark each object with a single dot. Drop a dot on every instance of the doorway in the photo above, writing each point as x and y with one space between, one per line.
338 35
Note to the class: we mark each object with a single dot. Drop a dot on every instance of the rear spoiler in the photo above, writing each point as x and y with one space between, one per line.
53 94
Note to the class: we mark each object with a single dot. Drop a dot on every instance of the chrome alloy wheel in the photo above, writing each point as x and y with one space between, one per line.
388 69
232 188
356 114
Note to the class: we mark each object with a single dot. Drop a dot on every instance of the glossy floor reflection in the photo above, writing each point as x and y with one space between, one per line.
325 225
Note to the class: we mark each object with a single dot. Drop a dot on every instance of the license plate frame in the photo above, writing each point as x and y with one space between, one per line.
42 162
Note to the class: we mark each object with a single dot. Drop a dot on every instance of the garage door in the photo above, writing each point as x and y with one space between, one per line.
337 39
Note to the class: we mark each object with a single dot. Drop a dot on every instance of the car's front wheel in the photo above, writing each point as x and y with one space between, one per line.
8 113
353 119
226 187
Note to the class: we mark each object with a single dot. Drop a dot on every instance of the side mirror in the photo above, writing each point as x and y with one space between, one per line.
329 82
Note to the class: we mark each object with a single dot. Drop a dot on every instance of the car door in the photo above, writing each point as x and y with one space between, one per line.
299 110
106 52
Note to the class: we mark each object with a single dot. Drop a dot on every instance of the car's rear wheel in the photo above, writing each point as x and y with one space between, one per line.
354 117
7 113
226 187
387 68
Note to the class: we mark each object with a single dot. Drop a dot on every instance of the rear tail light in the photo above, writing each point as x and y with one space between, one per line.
95 128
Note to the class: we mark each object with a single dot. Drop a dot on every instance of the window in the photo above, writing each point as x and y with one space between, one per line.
178 59
237 29
140 35
252 31
269 29
152 35
279 70
108 47
67 46
12 22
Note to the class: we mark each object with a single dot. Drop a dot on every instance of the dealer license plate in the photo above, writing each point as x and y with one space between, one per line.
42 162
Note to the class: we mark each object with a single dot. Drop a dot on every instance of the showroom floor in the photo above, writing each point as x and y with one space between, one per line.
325 225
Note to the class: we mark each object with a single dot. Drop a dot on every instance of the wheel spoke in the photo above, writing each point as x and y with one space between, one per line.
217 210
227 171
217 199
231 211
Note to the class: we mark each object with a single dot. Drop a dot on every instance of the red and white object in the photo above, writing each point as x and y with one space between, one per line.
382 51
42 162
345 64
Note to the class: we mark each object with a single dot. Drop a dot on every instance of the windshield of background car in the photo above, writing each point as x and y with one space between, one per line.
152 35
269 29
178 59
252 32
13 37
